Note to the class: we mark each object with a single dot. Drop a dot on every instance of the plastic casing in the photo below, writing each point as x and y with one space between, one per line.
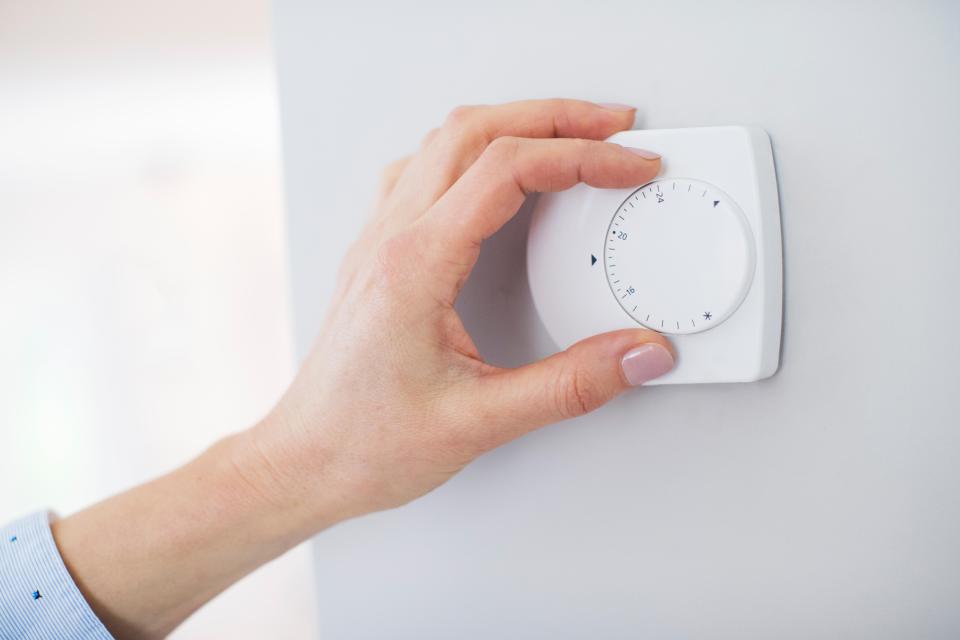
571 292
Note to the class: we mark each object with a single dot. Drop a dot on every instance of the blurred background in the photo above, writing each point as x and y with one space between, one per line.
143 291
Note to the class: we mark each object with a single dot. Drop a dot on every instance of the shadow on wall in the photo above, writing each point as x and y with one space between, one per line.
496 305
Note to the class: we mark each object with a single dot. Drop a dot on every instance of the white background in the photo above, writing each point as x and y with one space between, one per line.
143 292
822 503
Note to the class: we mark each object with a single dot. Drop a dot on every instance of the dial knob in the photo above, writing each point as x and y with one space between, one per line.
679 255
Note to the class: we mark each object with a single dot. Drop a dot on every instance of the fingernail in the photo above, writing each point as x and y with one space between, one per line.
613 106
645 363
643 153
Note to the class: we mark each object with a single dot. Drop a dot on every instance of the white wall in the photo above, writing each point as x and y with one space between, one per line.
143 296
824 502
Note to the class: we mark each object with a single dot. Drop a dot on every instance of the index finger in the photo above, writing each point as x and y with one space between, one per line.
451 149
492 190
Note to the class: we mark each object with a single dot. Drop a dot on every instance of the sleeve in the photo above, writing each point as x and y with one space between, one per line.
38 598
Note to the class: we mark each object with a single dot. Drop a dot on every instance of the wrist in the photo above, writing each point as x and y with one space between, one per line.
190 534
287 490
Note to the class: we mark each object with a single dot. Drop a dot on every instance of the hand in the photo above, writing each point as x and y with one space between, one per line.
394 397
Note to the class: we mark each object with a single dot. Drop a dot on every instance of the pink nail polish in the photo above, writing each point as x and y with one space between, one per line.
646 362
613 106
643 153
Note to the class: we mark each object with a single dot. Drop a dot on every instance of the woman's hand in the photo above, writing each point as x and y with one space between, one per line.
394 397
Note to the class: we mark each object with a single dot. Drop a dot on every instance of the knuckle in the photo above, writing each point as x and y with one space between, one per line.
463 129
503 148
393 254
577 394
562 120
460 116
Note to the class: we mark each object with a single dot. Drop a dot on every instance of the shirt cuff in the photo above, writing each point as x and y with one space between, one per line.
38 598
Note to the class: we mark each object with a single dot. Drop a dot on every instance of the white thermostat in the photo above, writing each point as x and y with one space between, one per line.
695 254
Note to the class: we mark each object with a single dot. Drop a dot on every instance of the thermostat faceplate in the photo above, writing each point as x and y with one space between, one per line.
696 253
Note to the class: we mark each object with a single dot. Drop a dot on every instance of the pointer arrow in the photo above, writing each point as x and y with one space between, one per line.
593 259
716 202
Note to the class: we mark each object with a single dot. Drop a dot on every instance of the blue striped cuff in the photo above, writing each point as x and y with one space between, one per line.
38 598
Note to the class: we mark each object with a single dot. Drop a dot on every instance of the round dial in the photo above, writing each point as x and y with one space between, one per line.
679 255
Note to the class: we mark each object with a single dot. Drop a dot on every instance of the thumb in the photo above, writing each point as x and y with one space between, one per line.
575 381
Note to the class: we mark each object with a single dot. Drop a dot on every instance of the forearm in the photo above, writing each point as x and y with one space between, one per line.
147 558
395 397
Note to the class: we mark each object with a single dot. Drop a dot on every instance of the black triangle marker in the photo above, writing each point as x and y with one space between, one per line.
593 259
716 202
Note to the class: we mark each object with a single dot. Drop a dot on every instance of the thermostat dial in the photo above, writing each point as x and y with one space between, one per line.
679 255
695 252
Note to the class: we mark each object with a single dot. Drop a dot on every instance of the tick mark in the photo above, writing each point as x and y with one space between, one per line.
661 323
678 325
689 186
647 318
634 308
644 195
704 193
621 217
692 322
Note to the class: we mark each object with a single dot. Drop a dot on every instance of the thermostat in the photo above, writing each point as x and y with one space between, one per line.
695 253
